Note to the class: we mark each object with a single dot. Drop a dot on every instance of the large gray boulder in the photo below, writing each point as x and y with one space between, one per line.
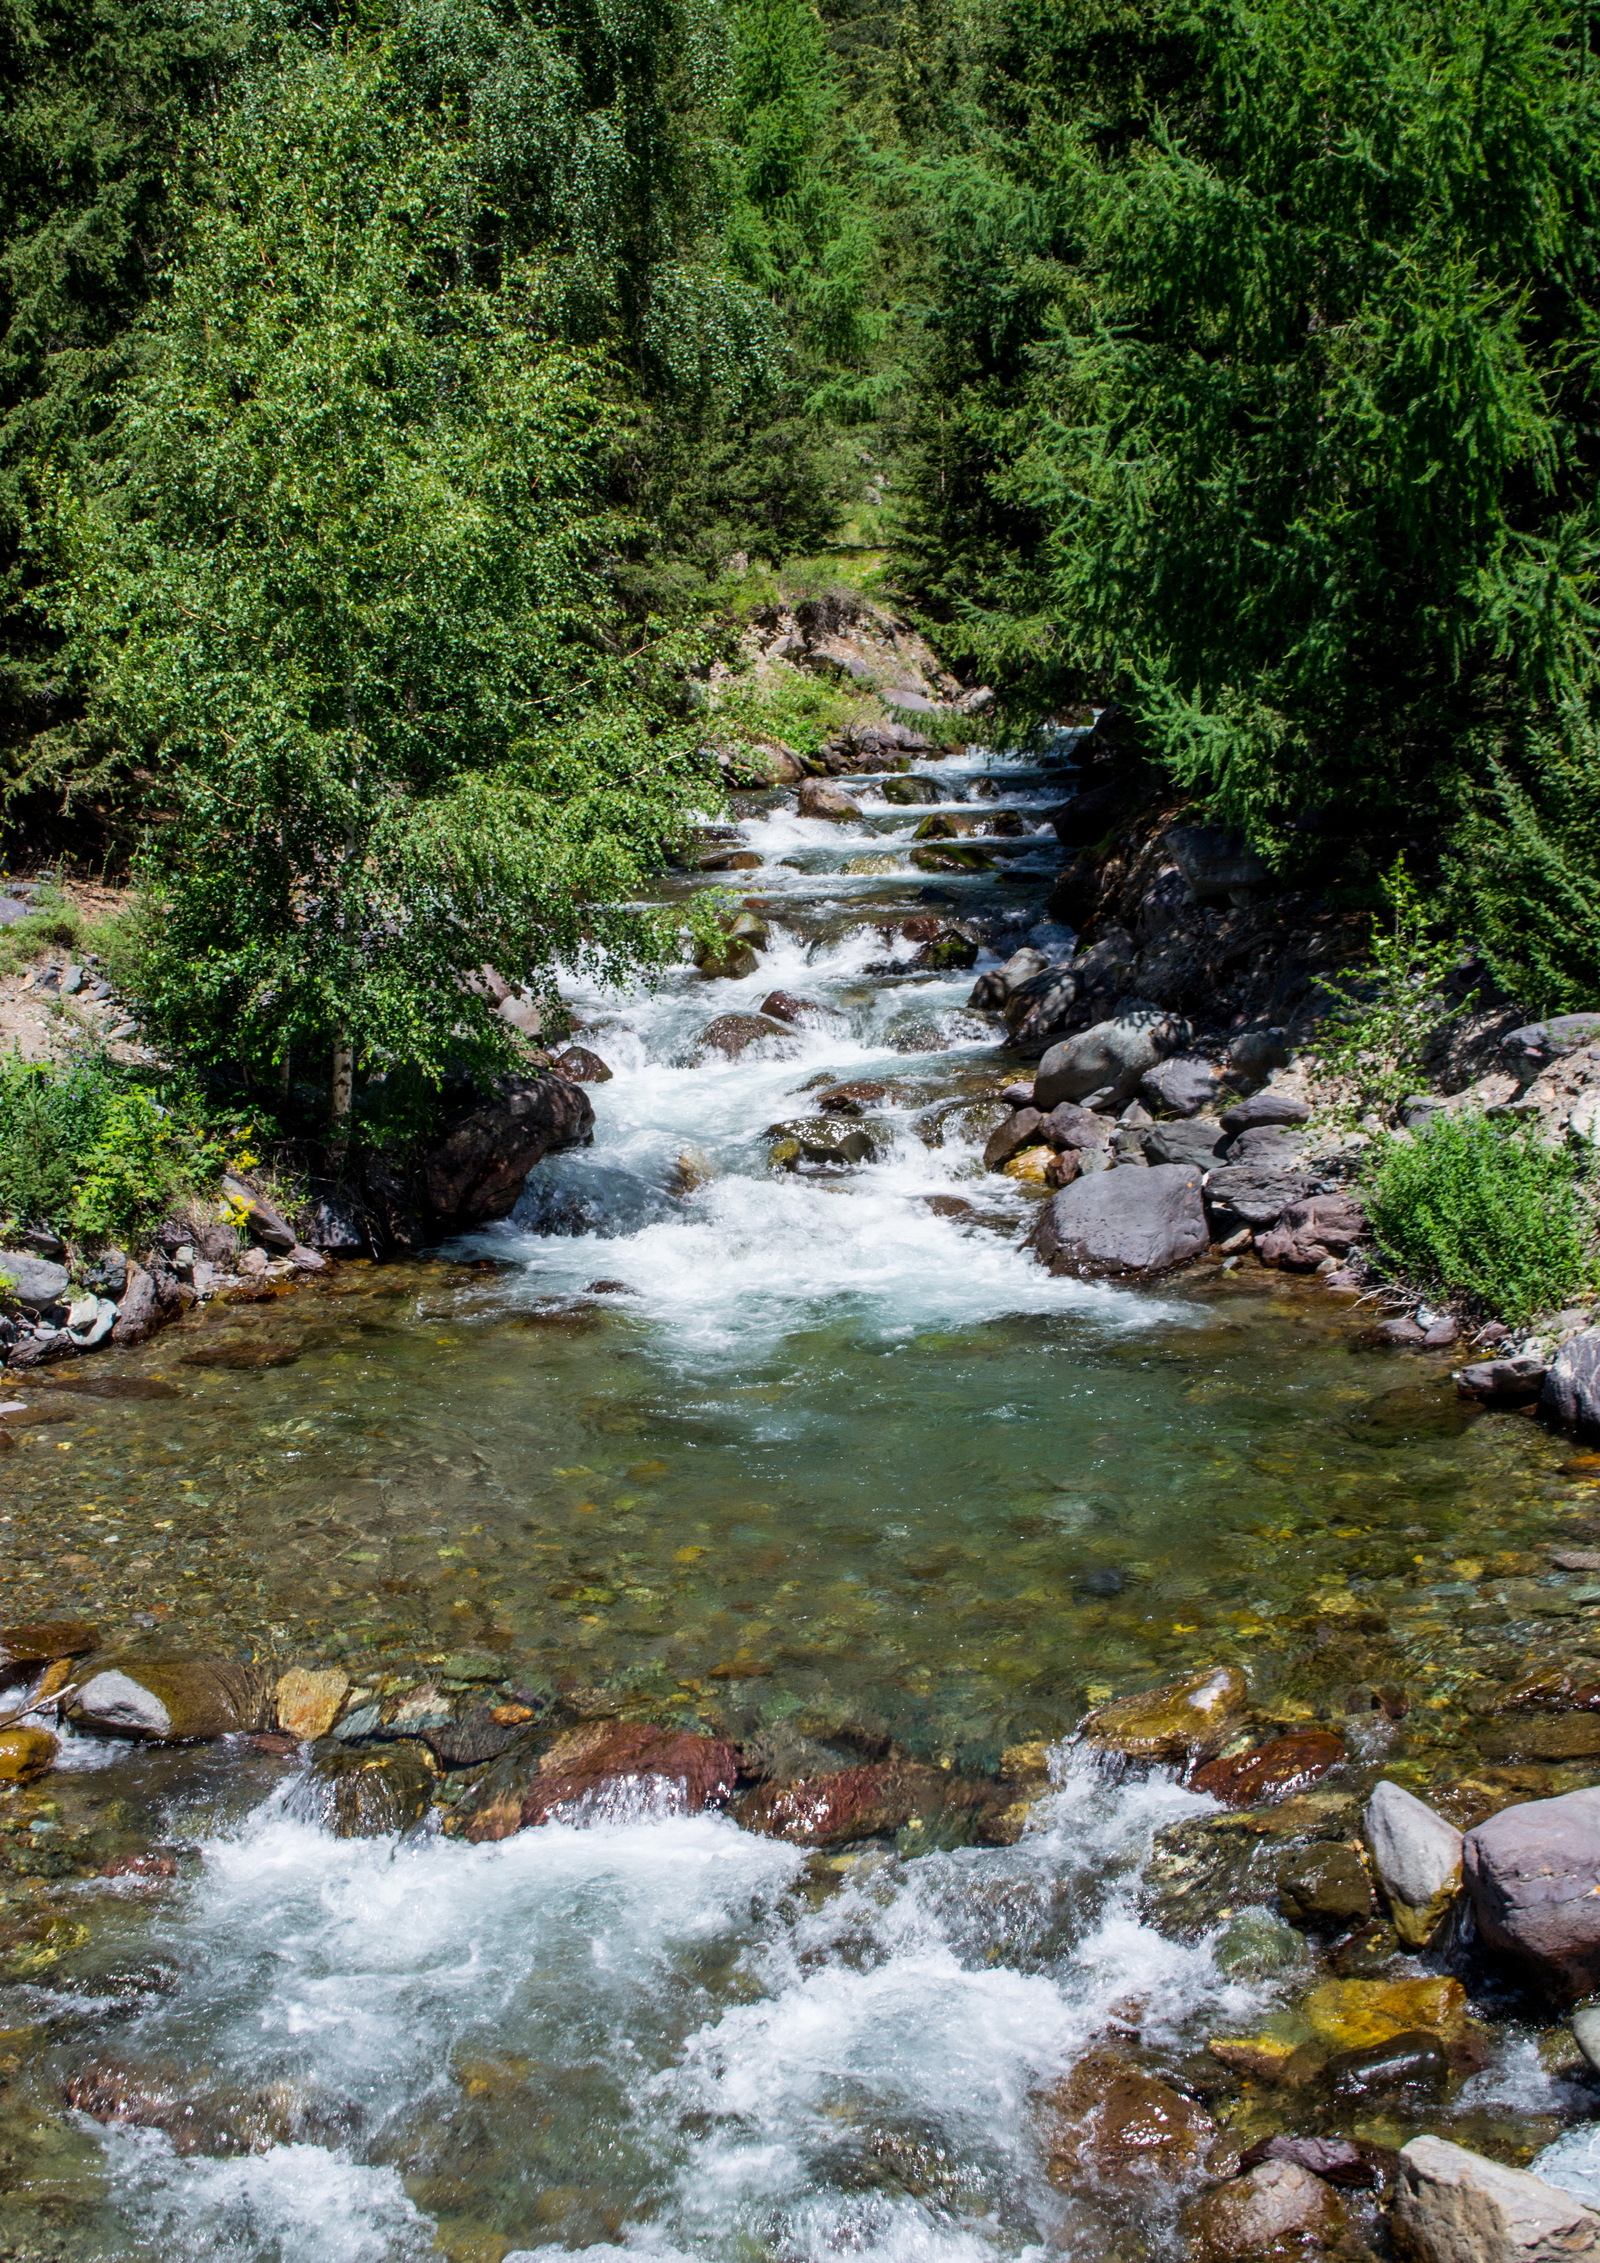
1250 1194
1453 2206
1182 1086
1124 1222
1537 1044
1104 1064
1571 1392
1533 1873
1194 1143
1417 1856
1265 1108
35 1283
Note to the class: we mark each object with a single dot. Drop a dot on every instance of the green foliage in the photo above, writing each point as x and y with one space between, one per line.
98 1150
1481 1207
1383 1015
1528 870
337 580
1263 388
95 96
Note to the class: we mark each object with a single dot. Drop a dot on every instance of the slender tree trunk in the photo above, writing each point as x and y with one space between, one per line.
343 1092
283 1076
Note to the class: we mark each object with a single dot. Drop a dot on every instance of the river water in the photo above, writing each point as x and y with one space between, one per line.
823 1460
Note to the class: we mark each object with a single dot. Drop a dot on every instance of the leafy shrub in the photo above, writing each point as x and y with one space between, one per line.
88 1146
1482 1207
1383 1017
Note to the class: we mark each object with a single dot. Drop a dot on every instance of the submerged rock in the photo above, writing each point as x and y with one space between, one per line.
606 1765
1325 1886
1111 2123
1353 2015
733 1034
1533 1874
1177 1721
172 1700
1417 1856
1124 1222
364 1791
1277 2208
23 1649
866 1802
1454 2206
1286 1764
308 1703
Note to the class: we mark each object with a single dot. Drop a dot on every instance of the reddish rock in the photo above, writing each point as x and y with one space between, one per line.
782 1005
1111 2123
1277 2209
1337 2160
1533 1872
579 1066
866 1802
1287 1764
24 1649
1322 1226
605 1760
136 1311
851 1099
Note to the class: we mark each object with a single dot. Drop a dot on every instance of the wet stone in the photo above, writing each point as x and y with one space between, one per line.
1111 2123
1286 1764
869 1802
364 1791
608 1769
1413 2061
171 1700
1275 2209
1176 1721
1325 1886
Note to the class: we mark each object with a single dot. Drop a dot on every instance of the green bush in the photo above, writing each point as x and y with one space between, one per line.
94 1149
1481 1207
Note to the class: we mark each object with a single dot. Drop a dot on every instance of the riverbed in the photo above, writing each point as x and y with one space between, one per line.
697 1438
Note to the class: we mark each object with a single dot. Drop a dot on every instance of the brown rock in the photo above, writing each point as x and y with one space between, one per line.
25 1753
23 1650
818 799
136 1309
266 1223
1111 2123
579 1066
1337 2160
851 1099
732 1033
308 1703
606 1762
865 1802
1554 1689
476 1174
1276 2209
1021 1129
1176 1721
1287 1764
780 1005
171 1700
1325 1886
1322 1226
365 1791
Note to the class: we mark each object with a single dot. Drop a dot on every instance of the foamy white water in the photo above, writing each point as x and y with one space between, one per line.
653 2011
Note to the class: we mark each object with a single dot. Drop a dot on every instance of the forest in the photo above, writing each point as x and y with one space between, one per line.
403 407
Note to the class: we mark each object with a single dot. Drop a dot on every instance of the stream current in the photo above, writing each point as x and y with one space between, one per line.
834 1461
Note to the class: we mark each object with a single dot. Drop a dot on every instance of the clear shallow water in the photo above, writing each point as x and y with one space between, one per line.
829 1459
